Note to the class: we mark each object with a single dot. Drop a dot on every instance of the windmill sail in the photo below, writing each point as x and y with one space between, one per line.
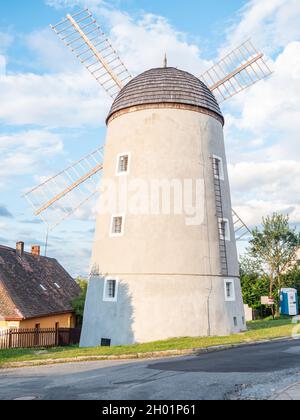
82 34
62 195
240 69
241 230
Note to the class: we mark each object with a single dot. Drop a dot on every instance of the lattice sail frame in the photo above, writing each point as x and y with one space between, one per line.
237 71
241 230
83 36
62 195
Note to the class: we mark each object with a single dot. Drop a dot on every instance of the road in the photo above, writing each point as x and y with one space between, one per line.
252 372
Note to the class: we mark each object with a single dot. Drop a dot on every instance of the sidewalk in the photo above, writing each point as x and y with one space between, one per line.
292 393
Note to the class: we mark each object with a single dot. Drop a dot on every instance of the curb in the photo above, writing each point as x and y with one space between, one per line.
142 356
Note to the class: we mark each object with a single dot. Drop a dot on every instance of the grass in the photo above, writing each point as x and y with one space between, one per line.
258 330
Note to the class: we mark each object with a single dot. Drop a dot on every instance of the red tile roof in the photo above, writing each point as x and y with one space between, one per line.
22 284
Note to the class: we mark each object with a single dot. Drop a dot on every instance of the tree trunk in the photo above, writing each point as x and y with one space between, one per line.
271 293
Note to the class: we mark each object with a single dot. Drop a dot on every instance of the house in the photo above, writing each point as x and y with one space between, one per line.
35 291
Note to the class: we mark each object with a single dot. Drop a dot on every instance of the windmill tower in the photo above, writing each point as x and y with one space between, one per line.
156 274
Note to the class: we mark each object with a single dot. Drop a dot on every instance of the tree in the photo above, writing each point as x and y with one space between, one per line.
273 249
79 302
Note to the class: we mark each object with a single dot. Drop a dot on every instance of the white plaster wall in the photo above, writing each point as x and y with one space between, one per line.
167 269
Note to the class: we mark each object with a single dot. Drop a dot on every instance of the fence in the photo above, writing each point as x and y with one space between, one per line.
39 338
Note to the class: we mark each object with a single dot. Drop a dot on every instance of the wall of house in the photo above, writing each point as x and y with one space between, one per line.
64 320
3 325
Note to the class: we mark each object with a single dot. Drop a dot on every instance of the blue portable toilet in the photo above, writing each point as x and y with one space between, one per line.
289 302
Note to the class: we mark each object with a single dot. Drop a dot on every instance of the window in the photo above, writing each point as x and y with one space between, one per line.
123 164
117 226
105 342
235 321
224 229
218 168
229 290
110 293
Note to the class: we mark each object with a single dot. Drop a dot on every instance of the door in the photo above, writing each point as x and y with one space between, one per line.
292 303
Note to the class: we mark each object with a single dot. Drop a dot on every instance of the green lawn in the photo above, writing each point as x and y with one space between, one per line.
258 330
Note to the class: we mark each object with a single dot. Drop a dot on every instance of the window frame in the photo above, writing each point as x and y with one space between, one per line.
227 237
231 298
105 297
124 173
222 173
116 216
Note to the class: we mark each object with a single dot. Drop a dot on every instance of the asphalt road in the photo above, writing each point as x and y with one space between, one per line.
252 372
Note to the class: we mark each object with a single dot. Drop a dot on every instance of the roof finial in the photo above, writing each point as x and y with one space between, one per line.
165 61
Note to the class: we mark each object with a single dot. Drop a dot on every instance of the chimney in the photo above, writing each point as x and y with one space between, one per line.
36 250
20 249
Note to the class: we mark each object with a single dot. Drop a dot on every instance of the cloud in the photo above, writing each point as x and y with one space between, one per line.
23 153
59 4
262 124
5 213
271 23
60 100
261 188
143 41
49 53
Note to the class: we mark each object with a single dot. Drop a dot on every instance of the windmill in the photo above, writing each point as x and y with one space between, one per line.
154 276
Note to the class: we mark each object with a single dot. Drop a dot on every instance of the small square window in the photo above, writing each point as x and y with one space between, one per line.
229 290
123 164
224 229
105 342
117 226
218 168
110 293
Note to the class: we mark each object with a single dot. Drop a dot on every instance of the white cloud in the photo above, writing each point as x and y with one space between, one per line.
271 23
60 100
262 188
49 53
263 123
143 40
24 153
66 95
142 43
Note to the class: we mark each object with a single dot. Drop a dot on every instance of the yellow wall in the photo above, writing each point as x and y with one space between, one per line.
64 320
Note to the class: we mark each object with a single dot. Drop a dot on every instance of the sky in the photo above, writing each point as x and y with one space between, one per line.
52 112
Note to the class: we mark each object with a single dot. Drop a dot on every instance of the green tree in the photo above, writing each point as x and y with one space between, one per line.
273 249
79 302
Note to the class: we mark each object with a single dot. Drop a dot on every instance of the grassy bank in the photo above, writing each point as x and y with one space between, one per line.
258 330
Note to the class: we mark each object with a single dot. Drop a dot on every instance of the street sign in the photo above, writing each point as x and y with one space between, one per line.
265 300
